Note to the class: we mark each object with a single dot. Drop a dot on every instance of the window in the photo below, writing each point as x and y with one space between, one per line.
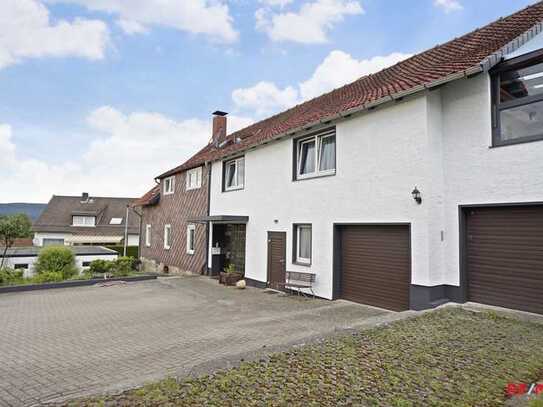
191 235
116 221
517 95
169 185
167 236
53 242
21 267
302 244
86 221
148 235
316 155
234 174
194 178
86 264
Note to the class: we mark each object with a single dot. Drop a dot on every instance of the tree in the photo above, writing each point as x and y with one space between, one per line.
13 227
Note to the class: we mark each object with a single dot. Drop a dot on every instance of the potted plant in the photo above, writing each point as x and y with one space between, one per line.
230 276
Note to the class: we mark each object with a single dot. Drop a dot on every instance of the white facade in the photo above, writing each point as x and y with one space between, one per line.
439 141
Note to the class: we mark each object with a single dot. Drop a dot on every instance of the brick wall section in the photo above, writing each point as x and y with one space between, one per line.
176 210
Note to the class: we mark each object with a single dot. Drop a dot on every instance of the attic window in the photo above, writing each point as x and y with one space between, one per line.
85 221
116 221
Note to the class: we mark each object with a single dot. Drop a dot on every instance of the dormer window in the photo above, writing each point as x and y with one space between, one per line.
84 221
169 185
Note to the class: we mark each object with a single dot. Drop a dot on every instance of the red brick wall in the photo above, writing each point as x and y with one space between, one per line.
176 209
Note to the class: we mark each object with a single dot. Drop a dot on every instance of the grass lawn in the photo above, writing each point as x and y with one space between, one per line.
451 357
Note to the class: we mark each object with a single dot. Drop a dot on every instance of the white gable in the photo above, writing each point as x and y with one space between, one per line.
533 45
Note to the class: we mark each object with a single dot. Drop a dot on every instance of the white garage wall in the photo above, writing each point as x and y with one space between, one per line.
381 156
475 172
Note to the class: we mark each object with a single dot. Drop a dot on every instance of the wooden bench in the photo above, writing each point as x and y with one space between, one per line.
299 280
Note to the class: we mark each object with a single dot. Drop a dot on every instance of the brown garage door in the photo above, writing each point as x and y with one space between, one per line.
505 256
376 265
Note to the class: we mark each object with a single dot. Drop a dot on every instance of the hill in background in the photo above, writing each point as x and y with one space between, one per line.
33 210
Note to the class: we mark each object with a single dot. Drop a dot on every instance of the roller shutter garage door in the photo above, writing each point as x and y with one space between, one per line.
505 256
375 265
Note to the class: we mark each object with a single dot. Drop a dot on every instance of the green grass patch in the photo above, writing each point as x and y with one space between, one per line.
450 357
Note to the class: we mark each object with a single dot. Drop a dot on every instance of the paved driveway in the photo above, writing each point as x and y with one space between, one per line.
64 343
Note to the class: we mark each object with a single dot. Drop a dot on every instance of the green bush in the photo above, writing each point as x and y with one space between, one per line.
123 266
56 259
100 266
131 251
10 277
48 277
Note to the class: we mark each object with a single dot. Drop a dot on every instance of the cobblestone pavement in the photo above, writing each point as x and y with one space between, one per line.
65 343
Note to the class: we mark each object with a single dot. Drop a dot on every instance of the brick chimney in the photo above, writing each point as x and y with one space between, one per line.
219 127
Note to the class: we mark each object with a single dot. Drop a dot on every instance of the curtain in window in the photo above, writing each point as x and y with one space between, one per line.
305 242
327 154
230 173
307 158
241 171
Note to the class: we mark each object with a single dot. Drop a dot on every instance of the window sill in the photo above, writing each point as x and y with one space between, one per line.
233 189
516 141
313 176
190 253
193 188
168 193
167 248
300 263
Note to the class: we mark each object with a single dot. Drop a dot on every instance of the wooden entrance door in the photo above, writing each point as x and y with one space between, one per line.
277 253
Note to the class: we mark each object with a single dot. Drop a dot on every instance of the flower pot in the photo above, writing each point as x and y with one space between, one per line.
232 278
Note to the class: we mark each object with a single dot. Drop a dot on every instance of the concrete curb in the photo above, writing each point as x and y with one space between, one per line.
74 283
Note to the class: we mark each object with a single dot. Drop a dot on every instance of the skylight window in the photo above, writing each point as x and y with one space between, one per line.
116 221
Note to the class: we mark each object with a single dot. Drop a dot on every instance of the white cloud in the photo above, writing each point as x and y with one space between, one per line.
209 17
27 32
265 98
310 25
337 69
275 3
448 5
132 150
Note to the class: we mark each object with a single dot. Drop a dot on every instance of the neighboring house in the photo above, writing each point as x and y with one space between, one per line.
408 188
86 220
23 258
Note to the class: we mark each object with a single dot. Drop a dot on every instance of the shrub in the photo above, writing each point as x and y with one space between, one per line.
56 259
48 277
123 266
100 266
10 277
131 251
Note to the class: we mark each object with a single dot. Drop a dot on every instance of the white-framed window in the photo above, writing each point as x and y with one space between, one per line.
191 239
167 236
316 155
85 221
302 244
116 221
169 185
194 178
148 235
234 174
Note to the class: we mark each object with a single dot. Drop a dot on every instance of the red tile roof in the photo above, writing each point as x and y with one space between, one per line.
149 198
439 63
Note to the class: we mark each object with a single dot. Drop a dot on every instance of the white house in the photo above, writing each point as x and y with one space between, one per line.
87 220
415 186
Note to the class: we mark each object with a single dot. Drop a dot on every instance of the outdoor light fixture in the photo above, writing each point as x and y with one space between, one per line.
416 195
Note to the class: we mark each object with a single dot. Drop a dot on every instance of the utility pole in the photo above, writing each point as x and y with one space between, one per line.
126 231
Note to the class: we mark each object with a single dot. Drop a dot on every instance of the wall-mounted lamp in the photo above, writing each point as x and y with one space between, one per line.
416 195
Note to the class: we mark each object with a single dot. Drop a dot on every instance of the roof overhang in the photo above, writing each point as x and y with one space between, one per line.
221 219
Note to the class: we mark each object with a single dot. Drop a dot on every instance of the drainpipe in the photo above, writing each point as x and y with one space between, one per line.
208 165
126 231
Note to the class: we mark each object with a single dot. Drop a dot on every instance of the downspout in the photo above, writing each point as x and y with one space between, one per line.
140 215
209 165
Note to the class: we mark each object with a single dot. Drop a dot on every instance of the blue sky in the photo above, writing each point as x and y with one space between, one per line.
102 95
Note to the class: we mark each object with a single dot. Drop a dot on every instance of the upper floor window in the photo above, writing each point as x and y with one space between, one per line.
148 235
234 174
194 178
316 155
169 185
87 221
517 95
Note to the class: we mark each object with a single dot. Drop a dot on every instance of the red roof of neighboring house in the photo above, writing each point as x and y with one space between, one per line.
439 63
149 198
